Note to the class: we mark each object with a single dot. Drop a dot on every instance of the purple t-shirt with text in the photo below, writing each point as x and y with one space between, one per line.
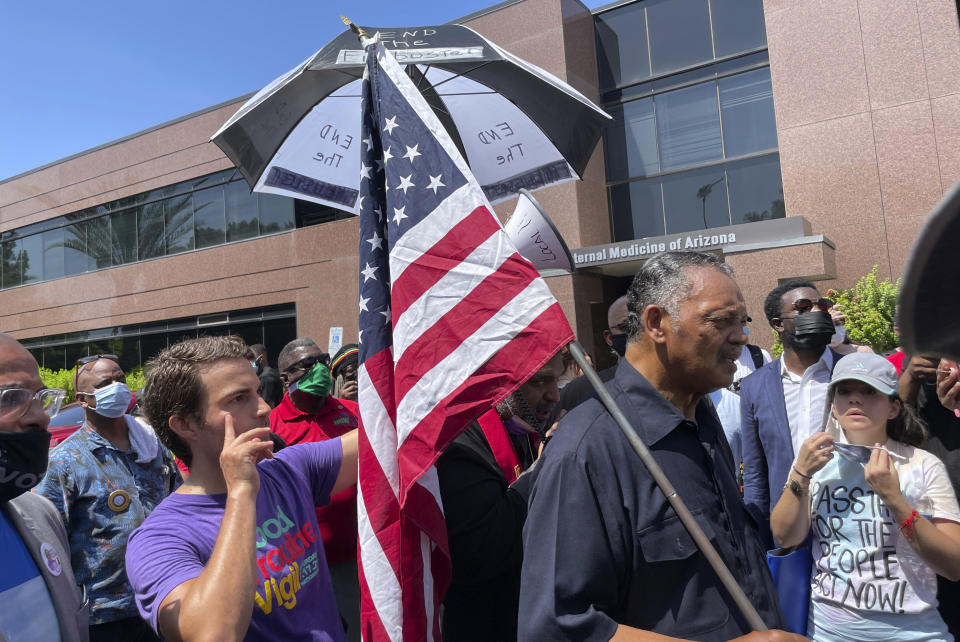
294 597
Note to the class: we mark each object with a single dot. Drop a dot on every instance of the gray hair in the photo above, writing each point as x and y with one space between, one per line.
283 358
663 281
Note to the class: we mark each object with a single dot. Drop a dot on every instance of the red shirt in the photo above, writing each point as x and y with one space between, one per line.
337 520
897 360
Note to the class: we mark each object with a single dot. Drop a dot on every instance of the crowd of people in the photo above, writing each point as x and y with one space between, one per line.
223 504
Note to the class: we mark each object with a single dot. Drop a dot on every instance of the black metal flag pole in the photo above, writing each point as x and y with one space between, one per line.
699 537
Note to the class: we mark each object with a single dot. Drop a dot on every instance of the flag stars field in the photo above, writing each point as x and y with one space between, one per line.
405 183
435 183
369 272
390 124
412 152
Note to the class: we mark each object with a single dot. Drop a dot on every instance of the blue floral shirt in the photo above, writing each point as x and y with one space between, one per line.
102 495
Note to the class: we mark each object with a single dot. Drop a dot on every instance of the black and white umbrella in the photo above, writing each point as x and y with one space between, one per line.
518 126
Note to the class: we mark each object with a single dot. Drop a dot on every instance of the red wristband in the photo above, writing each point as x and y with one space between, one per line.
906 527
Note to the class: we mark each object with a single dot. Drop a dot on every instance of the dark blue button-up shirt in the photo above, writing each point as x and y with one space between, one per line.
603 547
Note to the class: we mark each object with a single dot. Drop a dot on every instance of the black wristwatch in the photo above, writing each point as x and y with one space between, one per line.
796 487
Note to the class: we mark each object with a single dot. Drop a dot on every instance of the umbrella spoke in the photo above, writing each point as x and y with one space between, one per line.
464 73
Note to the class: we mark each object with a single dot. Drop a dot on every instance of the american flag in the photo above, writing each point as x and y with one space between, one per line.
452 319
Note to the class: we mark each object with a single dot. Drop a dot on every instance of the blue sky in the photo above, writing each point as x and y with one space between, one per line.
75 75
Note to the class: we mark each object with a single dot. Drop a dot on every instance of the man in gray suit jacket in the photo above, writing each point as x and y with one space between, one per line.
40 597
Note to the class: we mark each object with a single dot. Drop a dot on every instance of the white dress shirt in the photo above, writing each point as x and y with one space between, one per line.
727 403
805 398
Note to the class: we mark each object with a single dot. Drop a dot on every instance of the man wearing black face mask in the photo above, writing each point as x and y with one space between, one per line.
784 402
40 598
579 390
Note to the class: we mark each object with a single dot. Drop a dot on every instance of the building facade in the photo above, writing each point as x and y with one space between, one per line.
796 139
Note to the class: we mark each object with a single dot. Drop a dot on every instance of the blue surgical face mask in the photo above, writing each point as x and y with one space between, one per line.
112 400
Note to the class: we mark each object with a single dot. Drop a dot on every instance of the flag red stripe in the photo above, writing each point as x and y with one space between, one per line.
513 364
476 308
456 245
411 584
382 506
421 507
379 369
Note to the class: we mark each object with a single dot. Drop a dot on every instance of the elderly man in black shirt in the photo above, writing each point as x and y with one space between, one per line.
605 556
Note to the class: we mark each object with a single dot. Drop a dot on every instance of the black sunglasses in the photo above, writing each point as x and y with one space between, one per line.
805 305
82 361
304 364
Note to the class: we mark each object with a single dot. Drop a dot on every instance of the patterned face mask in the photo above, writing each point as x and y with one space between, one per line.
860 454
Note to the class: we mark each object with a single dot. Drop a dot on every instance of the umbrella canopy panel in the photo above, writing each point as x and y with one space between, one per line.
518 126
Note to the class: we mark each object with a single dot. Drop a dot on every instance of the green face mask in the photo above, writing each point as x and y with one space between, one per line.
316 381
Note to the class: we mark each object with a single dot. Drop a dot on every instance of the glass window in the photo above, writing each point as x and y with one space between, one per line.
695 200
622 57
123 236
72 352
756 189
53 260
151 345
276 213
746 101
178 223
631 141
31 258
99 243
208 217
54 358
75 259
637 210
241 207
679 34
128 350
278 332
688 126
251 333
11 263
150 231
737 26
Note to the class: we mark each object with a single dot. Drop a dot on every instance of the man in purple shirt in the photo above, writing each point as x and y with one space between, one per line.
235 552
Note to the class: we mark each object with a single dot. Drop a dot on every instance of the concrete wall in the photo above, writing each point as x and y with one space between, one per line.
867 101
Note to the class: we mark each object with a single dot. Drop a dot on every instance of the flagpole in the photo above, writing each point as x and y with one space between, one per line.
699 537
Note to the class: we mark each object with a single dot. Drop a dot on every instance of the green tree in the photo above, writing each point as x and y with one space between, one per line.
870 306
64 379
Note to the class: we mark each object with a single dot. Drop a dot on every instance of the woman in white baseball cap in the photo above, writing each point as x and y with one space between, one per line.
880 511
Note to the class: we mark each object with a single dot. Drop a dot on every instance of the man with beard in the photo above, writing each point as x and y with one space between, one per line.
40 597
785 401
484 492
605 555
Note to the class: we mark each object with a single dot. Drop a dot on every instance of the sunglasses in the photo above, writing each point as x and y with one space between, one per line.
304 364
805 305
82 361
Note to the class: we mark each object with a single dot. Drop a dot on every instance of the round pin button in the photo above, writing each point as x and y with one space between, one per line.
118 501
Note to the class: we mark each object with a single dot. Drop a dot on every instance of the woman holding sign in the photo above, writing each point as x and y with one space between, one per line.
882 512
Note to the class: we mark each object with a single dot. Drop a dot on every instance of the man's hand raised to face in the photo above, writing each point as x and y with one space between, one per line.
240 455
